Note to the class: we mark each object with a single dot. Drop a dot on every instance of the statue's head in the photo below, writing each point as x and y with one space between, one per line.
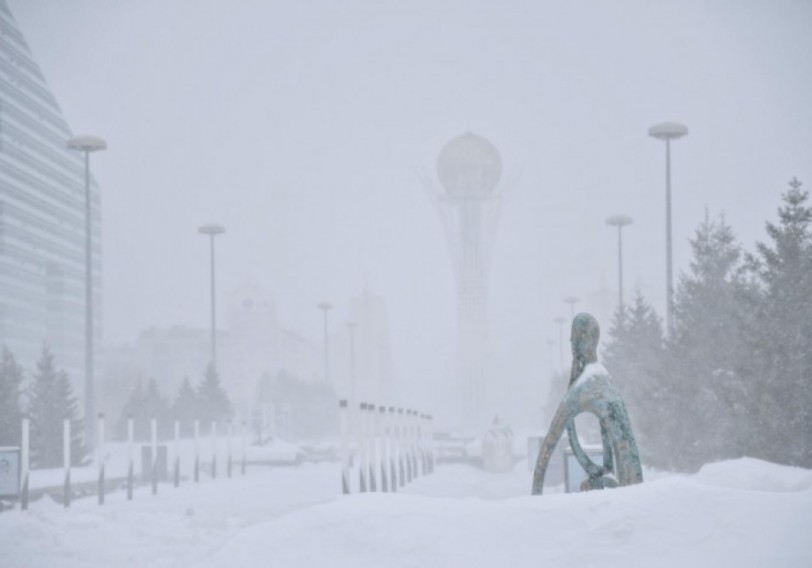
584 338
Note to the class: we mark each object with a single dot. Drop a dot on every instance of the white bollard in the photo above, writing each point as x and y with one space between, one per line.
371 444
228 449
243 434
153 429
214 449
66 461
393 471
197 452
100 457
176 452
25 459
401 449
383 447
362 447
130 465
345 457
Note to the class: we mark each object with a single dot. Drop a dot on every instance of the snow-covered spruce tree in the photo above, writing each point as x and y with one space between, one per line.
635 358
51 402
185 407
11 378
213 403
781 339
704 350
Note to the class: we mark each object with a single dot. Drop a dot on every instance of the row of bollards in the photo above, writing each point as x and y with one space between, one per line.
153 464
393 446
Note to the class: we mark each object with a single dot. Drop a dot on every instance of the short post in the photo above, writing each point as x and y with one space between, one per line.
197 451
242 444
345 458
372 419
214 449
362 447
153 428
100 456
415 444
130 465
66 461
176 451
25 458
393 473
432 452
383 446
401 442
228 450
407 437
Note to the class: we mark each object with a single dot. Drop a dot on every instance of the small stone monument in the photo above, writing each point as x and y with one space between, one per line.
591 389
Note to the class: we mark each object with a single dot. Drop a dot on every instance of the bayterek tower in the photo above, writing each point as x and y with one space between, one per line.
469 168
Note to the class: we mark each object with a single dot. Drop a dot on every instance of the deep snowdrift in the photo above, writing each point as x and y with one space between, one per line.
737 513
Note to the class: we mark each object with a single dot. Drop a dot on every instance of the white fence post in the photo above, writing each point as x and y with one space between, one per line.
66 460
345 458
130 465
176 451
153 427
197 451
384 448
100 457
25 459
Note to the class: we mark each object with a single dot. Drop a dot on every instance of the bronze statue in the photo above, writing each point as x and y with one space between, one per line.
591 389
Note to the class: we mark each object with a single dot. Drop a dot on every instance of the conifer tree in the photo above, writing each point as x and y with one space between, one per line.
780 358
634 356
704 350
52 401
11 377
134 407
213 403
185 407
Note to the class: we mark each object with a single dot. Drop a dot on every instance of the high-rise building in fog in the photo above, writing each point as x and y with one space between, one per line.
469 168
42 218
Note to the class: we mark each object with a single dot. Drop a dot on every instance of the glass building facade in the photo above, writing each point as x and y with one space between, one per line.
42 218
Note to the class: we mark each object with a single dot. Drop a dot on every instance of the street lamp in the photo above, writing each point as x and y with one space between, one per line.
212 230
88 144
619 221
560 321
668 131
572 300
326 307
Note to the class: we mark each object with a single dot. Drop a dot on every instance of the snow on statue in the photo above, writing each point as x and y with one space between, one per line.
591 389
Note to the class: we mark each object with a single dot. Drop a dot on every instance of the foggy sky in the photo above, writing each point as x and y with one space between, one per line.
304 128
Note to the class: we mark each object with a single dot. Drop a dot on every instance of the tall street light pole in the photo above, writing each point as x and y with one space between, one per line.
572 300
326 307
619 221
212 230
560 321
668 131
88 144
351 327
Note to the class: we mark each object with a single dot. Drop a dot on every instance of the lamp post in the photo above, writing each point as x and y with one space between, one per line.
619 221
212 230
326 307
560 321
88 144
668 131
572 300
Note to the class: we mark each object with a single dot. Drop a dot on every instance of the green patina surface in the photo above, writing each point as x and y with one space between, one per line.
593 391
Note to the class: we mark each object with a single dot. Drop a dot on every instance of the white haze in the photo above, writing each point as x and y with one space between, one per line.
305 128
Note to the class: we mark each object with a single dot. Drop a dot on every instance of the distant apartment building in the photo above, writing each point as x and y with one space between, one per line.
42 217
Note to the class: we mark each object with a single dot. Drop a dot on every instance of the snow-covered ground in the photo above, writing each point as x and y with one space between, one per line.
737 513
